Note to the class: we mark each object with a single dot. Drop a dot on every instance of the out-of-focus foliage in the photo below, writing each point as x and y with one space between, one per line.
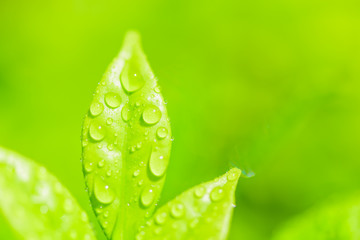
36 204
337 220
277 79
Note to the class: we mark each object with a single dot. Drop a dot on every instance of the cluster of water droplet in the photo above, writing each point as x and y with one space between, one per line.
126 143
201 204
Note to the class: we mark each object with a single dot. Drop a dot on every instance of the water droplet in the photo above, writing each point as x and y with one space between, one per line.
199 192
140 235
232 176
131 78
147 196
158 164
101 163
110 147
108 173
157 89
161 132
125 113
68 205
160 218
84 216
177 210
151 115
138 145
85 142
103 192
136 173
99 210
88 166
109 121
96 108
112 99
140 182
132 149
217 194
96 131
158 230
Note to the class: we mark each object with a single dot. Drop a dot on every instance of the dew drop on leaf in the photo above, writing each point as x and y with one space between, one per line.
193 223
113 100
177 210
125 113
161 132
232 176
160 218
157 89
131 78
147 196
96 108
101 163
217 194
96 131
110 147
136 173
158 164
151 115
199 192
68 205
103 192
88 166
109 121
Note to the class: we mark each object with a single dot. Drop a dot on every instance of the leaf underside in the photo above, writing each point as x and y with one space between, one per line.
202 212
126 143
35 203
337 220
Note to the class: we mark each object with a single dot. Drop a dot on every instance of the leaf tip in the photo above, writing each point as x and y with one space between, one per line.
233 174
132 38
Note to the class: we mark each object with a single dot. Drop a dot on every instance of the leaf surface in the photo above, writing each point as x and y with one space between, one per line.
202 212
126 143
35 203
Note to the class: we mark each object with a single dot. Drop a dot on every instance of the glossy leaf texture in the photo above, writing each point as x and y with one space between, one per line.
203 212
336 220
126 143
35 203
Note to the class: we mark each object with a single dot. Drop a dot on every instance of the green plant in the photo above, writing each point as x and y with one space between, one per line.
126 143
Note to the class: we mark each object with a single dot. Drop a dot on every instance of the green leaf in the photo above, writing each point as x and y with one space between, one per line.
35 203
336 220
126 143
203 212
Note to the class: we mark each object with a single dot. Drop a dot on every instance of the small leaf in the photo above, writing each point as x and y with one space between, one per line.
35 203
337 220
126 143
203 212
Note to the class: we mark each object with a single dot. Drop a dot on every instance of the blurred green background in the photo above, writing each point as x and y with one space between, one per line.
272 84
